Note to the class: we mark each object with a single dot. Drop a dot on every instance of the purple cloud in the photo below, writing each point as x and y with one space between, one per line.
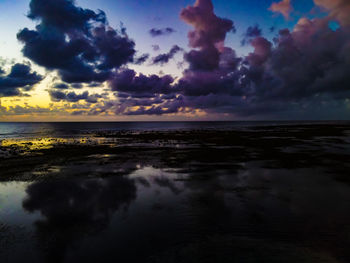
304 69
154 32
141 85
57 95
164 58
208 35
252 32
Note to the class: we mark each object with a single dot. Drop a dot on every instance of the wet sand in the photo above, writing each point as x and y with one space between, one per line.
254 194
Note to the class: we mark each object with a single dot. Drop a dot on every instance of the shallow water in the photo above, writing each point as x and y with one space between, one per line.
149 211
74 129
267 194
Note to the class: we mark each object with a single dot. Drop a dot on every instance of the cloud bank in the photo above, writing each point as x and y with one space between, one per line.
302 72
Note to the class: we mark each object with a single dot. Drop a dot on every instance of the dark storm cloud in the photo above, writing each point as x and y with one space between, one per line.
307 69
164 58
302 70
311 60
138 94
201 83
210 65
76 42
63 14
20 78
154 32
57 95
127 81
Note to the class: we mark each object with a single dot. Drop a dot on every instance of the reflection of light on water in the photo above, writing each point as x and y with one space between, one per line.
23 146
151 172
34 144
151 202
11 197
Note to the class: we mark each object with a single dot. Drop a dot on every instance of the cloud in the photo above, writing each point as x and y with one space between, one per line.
142 59
63 14
27 110
128 82
72 208
60 86
252 32
284 7
154 110
155 47
302 70
208 28
339 9
76 42
155 95
20 78
139 94
154 32
208 35
57 95
262 50
164 58
66 86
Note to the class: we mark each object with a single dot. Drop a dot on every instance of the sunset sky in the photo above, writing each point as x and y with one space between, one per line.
120 60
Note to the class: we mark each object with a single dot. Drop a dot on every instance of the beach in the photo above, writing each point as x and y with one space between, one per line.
263 192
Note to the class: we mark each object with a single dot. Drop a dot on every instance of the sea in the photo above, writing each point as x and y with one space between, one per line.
184 192
71 129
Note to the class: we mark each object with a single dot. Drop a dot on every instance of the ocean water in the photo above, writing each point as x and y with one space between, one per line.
175 192
71 129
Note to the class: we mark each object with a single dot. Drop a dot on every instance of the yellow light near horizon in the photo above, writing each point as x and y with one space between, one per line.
38 97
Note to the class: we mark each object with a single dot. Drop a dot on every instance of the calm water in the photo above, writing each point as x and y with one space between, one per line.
234 194
68 129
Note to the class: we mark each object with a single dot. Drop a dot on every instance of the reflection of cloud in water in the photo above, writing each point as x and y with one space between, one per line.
231 188
275 207
73 208
149 176
304 206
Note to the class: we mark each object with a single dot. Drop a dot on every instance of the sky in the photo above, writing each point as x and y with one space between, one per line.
128 60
